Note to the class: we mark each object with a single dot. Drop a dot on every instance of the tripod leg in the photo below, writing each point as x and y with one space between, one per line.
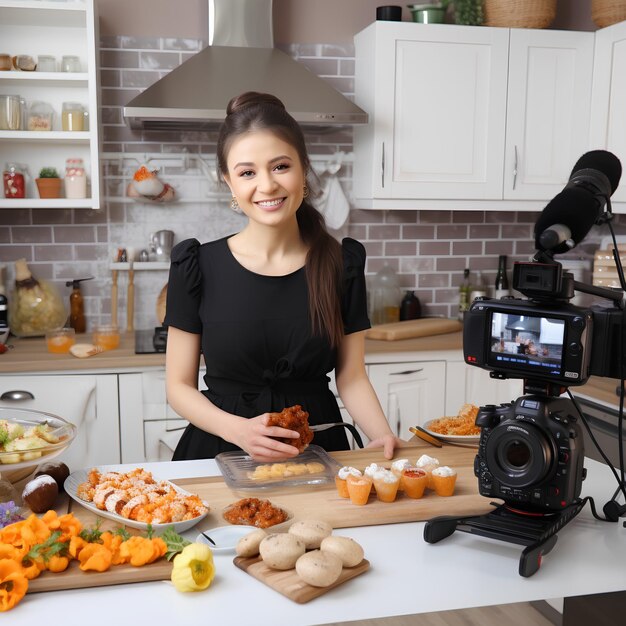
439 528
530 561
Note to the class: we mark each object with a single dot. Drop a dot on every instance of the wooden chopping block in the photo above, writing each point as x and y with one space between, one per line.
413 328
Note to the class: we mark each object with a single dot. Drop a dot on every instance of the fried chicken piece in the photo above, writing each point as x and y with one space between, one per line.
293 418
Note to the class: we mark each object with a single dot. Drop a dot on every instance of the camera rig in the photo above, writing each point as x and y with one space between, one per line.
531 452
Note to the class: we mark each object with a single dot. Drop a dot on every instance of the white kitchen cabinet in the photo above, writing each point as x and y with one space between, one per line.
150 428
466 383
462 115
548 110
608 126
410 393
52 28
88 401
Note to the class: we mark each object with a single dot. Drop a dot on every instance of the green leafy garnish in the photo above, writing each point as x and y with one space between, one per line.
174 542
92 535
149 531
49 548
123 533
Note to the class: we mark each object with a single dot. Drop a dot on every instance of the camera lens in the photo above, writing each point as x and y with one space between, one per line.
519 455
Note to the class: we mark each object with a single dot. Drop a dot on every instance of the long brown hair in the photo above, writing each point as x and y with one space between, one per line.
252 111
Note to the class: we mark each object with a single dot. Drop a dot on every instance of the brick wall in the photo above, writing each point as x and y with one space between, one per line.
428 249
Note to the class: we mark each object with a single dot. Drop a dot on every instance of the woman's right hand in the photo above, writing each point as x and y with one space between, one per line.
258 439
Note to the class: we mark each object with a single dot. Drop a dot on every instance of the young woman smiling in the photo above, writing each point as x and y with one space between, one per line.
273 308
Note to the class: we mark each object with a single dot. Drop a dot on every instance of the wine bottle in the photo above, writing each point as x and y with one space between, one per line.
464 294
502 280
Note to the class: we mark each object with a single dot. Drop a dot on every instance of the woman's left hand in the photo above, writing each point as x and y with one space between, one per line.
389 443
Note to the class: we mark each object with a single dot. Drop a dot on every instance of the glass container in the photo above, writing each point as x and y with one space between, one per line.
70 63
386 297
40 116
46 63
107 336
14 181
75 179
60 340
11 112
73 116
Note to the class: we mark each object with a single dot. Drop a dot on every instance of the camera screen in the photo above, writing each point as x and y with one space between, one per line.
528 343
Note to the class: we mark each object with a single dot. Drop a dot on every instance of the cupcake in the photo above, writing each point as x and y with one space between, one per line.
414 480
386 483
359 488
397 467
371 469
428 464
340 479
444 479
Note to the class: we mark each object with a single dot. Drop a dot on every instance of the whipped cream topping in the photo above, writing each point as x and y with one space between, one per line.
371 469
399 465
427 461
346 470
444 470
385 476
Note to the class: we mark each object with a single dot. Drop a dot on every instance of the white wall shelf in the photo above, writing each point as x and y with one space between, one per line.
58 29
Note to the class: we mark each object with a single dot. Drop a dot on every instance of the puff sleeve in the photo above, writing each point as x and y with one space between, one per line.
183 288
354 294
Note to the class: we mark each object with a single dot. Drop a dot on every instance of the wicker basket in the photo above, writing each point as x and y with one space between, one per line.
607 12
520 13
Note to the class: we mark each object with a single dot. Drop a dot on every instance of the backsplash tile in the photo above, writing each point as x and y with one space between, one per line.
428 249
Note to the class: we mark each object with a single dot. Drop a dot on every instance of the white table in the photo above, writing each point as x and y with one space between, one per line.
407 576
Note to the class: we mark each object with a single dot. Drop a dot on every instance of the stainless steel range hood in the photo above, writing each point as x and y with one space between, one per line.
240 58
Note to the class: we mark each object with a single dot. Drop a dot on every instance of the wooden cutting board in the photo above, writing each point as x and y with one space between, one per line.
413 328
323 502
289 583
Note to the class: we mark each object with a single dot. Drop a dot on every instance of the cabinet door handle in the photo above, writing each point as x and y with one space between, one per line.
382 170
515 168
17 395
406 372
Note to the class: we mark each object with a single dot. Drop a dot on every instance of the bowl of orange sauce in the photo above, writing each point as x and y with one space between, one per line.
60 340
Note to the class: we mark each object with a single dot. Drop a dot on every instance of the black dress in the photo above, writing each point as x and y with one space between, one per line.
257 343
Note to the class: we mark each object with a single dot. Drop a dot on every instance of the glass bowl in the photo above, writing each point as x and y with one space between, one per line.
22 447
107 336
60 340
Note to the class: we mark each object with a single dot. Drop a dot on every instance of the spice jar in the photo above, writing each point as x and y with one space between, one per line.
14 181
75 179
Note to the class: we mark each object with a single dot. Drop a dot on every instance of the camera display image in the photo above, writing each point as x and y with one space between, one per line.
527 342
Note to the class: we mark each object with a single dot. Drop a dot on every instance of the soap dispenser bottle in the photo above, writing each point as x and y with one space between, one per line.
77 309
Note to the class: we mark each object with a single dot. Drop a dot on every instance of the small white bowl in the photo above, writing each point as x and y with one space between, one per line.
225 537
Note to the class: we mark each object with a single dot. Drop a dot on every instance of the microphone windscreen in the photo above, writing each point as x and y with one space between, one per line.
573 207
602 161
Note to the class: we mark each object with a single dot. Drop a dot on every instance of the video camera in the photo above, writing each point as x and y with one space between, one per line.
531 450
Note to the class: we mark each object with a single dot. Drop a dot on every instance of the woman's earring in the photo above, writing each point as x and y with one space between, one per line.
305 192
234 205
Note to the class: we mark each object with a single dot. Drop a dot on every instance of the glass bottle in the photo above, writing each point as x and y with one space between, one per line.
502 280
14 181
386 297
410 307
464 294
75 179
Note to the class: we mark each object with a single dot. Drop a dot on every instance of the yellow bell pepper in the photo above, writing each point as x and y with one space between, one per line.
193 568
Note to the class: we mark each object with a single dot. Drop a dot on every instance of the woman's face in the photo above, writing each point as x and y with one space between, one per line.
266 176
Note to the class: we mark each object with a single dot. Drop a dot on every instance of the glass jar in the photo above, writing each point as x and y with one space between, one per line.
40 115
73 116
14 181
75 179
70 63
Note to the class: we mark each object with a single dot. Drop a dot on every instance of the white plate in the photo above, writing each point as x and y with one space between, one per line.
225 537
451 438
80 476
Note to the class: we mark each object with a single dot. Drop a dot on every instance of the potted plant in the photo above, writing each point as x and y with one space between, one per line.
48 183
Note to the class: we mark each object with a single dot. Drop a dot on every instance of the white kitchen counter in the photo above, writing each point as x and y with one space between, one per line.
407 576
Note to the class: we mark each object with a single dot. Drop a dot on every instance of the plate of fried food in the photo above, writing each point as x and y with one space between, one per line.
135 498
459 428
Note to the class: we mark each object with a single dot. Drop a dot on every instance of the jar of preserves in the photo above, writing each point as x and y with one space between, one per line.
14 181
75 179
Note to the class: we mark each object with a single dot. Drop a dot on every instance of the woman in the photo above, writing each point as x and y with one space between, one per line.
273 308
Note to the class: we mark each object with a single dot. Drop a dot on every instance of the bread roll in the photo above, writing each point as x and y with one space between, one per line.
311 532
319 569
40 493
281 550
248 546
347 549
